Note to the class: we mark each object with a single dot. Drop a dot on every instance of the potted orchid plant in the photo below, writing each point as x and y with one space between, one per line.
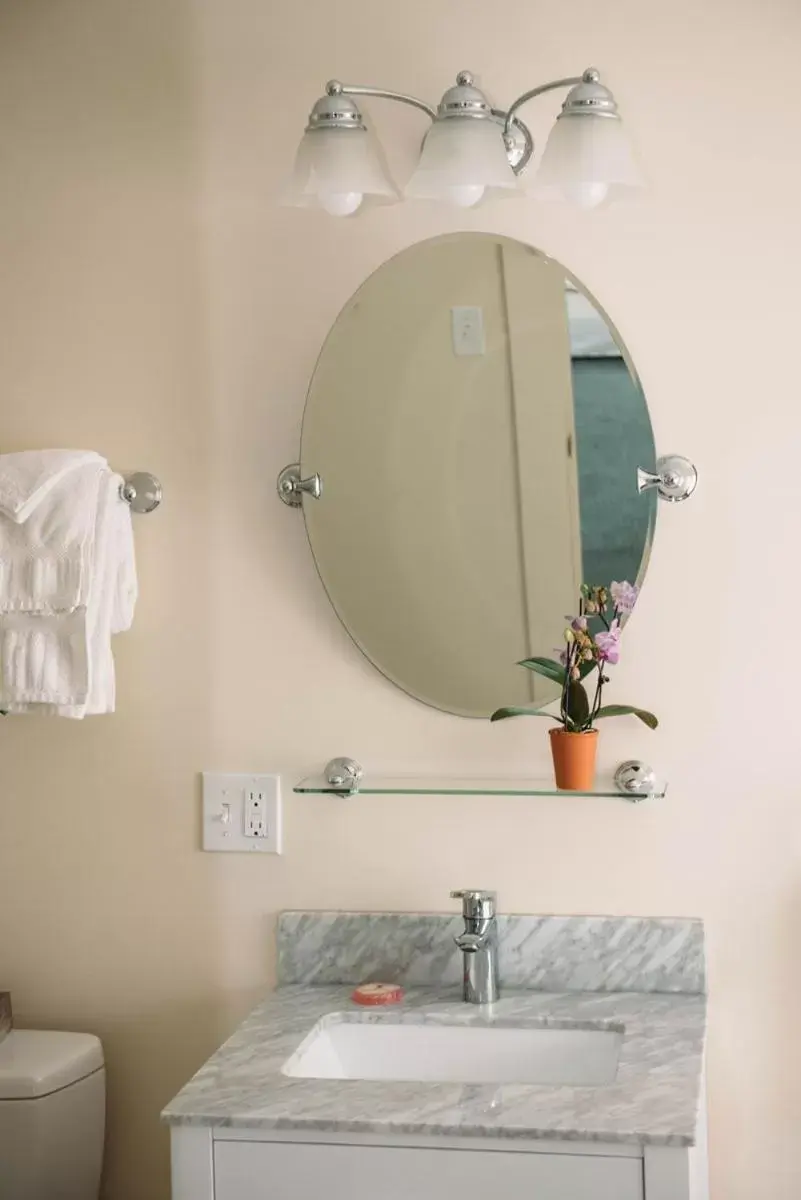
591 645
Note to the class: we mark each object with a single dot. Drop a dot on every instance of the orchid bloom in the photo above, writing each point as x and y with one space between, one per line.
624 596
608 643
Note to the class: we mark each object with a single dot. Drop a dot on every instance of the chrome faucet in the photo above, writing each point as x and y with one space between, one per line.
479 945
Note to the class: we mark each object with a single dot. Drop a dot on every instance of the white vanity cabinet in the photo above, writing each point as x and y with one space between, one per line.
541 1096
277 1171
242 1164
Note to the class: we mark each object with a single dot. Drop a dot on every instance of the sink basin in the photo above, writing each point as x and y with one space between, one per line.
344 1047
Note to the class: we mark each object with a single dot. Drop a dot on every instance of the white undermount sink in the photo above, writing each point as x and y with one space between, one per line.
346 1048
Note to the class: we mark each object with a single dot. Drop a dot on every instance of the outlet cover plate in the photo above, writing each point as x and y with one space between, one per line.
228 811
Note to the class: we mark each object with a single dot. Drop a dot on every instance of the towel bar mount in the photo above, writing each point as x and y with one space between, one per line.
142 491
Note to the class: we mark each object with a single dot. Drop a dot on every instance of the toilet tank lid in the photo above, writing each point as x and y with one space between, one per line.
38 1062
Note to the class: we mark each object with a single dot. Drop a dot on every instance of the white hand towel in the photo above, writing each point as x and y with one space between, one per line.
113 599
61 664
45 661
48 511
27 477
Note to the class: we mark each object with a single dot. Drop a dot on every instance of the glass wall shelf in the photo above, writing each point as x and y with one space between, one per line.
401 785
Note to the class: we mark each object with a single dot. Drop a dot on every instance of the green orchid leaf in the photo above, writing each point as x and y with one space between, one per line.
626 710
545 666
577 704
501 714
586 668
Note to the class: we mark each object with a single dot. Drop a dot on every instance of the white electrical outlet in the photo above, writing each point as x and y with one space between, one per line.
255 814
242 813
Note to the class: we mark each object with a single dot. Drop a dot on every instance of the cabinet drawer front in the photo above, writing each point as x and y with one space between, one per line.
304 1171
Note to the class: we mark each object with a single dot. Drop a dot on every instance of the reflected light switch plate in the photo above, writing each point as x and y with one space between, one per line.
467 325
242 813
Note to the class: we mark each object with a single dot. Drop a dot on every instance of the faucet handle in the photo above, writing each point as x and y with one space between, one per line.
477 904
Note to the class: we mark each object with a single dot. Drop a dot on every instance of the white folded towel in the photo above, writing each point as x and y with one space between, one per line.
57 659
48 511
45 661
27 477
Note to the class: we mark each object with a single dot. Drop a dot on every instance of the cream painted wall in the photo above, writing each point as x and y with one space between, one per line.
155 304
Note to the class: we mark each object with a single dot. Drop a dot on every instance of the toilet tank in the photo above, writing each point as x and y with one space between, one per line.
52 1115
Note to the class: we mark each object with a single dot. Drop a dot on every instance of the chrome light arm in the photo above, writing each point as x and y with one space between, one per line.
572 81
517 138
335 88
336 110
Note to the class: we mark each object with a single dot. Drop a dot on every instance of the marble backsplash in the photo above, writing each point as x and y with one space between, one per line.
545 953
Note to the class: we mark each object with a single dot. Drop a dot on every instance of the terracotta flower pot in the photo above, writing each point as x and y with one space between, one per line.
574 759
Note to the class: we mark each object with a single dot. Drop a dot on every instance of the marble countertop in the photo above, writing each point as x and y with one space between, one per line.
654 1099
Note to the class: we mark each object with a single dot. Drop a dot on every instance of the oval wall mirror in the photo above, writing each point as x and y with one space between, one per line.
477 425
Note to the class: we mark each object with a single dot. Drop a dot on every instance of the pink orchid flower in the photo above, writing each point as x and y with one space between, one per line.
608 643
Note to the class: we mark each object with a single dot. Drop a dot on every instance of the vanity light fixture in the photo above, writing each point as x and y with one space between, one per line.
471 151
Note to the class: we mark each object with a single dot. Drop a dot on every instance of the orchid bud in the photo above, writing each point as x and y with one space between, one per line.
570 636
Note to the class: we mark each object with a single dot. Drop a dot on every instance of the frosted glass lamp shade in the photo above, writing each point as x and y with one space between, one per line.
463 160
339 170
588 159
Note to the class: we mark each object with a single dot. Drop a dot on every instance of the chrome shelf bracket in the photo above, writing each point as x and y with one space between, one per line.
292 488
636 779
675 478
344 774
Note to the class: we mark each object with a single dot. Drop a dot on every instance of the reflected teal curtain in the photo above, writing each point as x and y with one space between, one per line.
613 438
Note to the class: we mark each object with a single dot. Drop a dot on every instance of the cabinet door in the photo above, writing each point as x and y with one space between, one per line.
303 1171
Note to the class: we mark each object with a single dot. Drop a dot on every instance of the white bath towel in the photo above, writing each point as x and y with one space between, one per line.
48 520
60 662
27 477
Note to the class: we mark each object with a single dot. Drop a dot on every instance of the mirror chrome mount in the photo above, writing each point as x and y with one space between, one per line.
292 487
675 478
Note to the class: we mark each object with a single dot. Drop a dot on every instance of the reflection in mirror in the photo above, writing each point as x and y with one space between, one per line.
477 426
